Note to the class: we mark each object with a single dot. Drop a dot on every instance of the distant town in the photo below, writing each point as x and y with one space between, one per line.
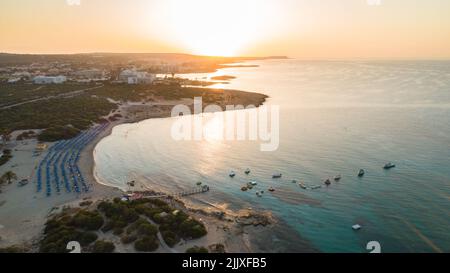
98 68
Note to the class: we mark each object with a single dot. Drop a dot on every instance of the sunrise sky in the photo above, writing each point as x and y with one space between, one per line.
309 29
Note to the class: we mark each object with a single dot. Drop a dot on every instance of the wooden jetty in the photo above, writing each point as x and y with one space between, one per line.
197 190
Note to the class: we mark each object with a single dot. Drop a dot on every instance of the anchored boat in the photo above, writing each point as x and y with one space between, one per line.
276 175
361 173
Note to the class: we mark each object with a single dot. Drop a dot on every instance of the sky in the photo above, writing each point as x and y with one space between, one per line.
308 29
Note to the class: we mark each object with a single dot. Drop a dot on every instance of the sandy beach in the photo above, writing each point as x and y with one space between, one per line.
23 211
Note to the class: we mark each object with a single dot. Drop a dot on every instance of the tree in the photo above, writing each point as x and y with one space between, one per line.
9 176
5 136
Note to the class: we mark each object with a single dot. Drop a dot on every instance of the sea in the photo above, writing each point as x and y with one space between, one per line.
335 118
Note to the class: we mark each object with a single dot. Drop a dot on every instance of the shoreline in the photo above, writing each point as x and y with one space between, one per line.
26 219
224 226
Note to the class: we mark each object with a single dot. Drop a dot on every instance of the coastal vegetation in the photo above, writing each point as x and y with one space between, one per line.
61 118
8 177
64 117
197 249
22 92
6 156
135 222
26 135
102 246
13 249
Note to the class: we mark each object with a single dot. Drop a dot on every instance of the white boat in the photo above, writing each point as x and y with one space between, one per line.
247 171
316 187
271 189
23 182
232 174
253 183
276 175
337 177
356 227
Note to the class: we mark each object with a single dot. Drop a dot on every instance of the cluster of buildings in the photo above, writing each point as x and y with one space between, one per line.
53 73
58 73
132 76
49 79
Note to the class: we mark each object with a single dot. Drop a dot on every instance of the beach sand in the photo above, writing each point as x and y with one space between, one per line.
23 211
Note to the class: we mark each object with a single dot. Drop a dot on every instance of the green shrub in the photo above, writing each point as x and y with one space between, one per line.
57 238
146 244
118 211
5 158
87 238
191 228
87 220
170 238
147 229
108 226
197 249
103 247
128 239
57 133
117 231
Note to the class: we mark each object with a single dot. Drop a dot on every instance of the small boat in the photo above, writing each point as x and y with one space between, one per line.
316 187
253 183
294 181
302 185
276 175
389 166
271 189
258 194
356 227
337 177
327 182
361 173
244 189
23 182
247 171
249 186
199 183
232 174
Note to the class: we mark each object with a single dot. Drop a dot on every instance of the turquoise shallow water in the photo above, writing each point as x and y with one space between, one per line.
335 118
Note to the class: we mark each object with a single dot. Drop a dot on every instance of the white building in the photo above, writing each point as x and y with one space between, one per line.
89 74
49 80
13 80
135 77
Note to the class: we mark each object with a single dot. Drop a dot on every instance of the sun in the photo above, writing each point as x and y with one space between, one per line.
217 27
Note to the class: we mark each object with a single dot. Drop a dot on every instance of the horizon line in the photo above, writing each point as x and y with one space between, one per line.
248 57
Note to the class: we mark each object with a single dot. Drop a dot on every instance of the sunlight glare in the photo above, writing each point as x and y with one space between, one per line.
218 27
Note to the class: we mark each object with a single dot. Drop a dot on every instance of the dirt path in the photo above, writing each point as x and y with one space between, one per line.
64 95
